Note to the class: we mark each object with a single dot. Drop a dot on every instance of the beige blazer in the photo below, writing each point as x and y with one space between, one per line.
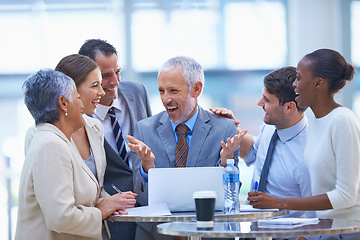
95 132
57 192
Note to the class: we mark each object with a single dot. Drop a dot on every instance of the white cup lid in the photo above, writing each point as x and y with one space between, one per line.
205 194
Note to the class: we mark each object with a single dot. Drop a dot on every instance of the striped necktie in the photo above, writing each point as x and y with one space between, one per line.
182 147
265 169
119 140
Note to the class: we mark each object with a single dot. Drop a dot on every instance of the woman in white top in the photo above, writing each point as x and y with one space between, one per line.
332 151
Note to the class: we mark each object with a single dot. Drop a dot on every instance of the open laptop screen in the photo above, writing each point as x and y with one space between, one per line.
176 186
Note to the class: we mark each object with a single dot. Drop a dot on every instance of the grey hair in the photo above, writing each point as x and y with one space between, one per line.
42 91
192 71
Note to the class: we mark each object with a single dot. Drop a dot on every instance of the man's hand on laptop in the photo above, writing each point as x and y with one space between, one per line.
143 151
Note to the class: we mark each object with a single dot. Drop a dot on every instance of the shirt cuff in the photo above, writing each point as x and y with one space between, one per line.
250 158
144 174
219 162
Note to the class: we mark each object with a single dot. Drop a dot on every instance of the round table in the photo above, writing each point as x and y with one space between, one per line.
251 230
191 216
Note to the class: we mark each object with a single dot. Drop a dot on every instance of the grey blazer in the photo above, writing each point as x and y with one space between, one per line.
205 147
117 171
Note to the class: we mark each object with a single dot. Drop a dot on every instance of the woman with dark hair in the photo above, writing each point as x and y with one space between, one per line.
89 140
332 151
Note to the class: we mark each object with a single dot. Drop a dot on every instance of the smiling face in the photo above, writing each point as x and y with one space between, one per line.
304 84
75 110
179 102
110 72
274 112
91 91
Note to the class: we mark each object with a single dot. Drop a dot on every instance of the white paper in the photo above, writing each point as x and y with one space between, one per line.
148 211
287 222
249 208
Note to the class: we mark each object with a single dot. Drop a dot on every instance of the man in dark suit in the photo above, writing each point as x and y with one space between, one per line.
155 141
130 103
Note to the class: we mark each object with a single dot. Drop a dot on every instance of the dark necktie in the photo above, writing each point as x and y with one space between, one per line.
265 169
182 147
119 140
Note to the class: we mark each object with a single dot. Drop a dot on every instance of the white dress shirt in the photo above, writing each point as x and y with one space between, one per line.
123 117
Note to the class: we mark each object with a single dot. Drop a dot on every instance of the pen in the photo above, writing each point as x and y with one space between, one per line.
256 185
116 189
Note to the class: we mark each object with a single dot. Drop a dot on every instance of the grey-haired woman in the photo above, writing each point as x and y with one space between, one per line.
58 197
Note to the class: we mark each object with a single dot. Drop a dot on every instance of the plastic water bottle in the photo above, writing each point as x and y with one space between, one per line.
231 187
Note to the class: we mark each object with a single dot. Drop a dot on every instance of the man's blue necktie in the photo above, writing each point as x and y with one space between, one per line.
265 169
120 143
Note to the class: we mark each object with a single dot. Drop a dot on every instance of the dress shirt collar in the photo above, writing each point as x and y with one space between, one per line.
102 110
189 123
287 134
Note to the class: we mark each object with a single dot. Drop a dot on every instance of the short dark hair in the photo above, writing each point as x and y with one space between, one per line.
93 46
280 83
331 66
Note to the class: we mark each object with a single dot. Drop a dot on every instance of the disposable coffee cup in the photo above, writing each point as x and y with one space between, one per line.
205 209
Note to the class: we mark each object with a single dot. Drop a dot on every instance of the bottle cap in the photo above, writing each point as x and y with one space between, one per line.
230 161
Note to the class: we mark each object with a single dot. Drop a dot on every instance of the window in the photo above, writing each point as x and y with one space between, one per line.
255 35
235 35
355 34
38 36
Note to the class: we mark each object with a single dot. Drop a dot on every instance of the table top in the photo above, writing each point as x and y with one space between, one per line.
251 230
191 216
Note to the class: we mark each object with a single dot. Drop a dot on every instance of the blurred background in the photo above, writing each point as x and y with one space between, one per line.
236 41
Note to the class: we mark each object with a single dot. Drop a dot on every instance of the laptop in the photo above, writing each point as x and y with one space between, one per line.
176 186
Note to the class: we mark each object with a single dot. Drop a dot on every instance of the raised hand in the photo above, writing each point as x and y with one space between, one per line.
143 151
230 146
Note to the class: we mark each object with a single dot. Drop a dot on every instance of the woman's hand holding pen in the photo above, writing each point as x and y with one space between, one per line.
116 204
125 199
